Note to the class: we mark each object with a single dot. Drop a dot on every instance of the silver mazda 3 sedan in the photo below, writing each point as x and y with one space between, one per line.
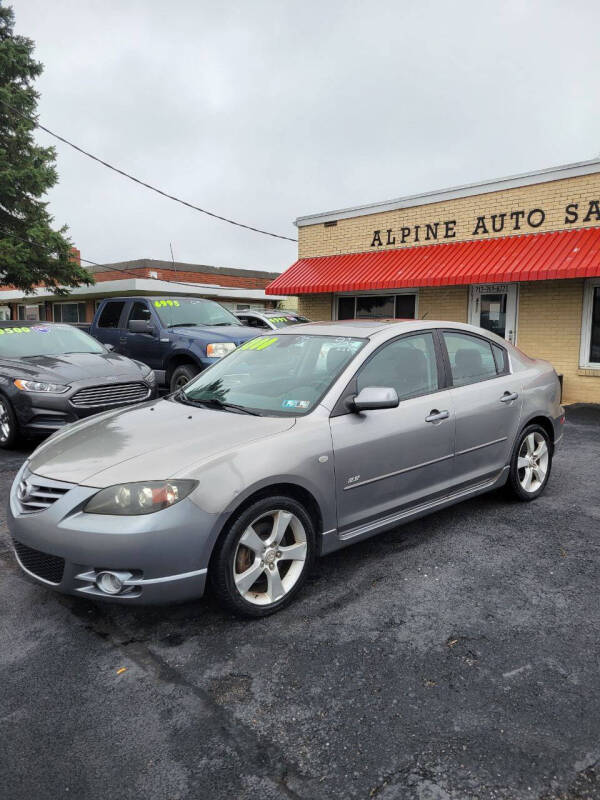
298 443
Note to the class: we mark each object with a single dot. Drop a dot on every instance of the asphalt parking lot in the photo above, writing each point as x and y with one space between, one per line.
456 657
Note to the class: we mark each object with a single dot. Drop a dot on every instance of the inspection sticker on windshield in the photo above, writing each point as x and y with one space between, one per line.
259 344
295 404
14 330
165 303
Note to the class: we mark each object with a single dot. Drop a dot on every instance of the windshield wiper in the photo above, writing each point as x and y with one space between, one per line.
213 402
183 325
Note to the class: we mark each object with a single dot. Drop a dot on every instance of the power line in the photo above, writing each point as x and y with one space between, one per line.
108 267
143 183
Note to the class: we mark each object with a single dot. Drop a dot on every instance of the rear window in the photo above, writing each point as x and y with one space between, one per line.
111 314
471 358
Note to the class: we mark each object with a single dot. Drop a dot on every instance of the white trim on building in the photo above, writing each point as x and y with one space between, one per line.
144 286
466 190
586 324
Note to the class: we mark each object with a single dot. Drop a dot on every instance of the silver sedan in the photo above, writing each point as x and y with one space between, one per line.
300 442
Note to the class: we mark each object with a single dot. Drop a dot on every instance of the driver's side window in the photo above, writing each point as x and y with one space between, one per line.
408 365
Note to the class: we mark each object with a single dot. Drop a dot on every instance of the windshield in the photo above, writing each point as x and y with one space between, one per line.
285 320
45 340
182 311
275 375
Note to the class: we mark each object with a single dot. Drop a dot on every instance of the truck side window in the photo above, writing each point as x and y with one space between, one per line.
139 311
111 314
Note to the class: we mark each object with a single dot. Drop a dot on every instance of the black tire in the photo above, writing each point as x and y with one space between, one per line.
181 375
9 427
224 560
518 476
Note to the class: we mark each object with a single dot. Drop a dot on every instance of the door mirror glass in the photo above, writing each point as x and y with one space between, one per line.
373 397
140 326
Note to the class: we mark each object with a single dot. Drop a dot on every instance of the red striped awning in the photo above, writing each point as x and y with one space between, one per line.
532 257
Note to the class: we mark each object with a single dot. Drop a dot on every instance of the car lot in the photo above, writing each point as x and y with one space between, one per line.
456 657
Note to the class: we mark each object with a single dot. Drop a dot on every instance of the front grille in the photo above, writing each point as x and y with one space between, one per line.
111 395
35 494
42 565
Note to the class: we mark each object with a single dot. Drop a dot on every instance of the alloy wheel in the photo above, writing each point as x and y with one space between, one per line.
532 463
270 557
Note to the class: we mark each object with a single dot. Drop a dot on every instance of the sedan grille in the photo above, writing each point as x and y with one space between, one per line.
37 494
42 565
111 395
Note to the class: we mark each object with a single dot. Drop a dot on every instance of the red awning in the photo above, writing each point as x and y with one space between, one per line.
532 257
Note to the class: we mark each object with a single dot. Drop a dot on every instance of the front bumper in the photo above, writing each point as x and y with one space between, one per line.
166 553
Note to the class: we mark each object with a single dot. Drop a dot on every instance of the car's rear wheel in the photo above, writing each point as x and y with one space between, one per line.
531 463
9 428
263 558
182 375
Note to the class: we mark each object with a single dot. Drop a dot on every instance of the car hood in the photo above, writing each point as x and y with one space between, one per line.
153 441
218 333
74 367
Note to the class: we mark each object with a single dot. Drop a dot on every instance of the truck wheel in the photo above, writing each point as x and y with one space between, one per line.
9 428
182 375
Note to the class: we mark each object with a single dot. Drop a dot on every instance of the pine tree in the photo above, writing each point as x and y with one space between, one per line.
31 251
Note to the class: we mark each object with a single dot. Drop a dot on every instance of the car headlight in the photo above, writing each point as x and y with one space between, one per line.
40 386
132 499
150 378
219 349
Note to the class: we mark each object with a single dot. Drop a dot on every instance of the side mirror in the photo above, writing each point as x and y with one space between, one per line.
109 347
373 397
140 326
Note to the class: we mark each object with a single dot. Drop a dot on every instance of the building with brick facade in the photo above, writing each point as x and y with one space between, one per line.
519 256
234 288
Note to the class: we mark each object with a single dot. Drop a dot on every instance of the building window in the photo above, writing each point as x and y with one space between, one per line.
29 313
590 333
69 312
377 306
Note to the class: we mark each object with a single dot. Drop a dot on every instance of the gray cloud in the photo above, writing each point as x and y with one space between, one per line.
267 110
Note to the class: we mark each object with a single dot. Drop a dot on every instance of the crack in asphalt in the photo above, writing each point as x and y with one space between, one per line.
248 745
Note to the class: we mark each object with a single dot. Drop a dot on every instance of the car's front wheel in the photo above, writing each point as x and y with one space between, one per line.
9 429
531 463
263 558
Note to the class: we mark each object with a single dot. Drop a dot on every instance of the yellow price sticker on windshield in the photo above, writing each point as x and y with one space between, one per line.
14 330
165 303
259 344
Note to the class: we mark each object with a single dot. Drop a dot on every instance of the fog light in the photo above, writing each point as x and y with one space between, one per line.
112 582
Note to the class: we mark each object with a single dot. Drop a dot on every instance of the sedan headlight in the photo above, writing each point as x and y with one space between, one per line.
219 349
150 378
132 499
40 386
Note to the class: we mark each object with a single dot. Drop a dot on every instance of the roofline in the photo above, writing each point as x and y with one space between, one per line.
140 286
466 190
181 266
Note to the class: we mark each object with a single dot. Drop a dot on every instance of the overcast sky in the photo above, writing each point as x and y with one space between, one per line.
268 110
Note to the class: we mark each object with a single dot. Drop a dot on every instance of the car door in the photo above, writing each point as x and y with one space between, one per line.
390 459
487 404
145 347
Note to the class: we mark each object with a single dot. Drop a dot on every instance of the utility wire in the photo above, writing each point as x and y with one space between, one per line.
107 267
143 183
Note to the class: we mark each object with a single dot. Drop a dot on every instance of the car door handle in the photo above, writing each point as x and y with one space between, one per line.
122 340
508 397
437 416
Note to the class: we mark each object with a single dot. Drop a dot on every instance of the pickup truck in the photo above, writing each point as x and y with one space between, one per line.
177 337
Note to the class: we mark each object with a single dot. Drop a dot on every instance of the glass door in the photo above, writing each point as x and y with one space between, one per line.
494 308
